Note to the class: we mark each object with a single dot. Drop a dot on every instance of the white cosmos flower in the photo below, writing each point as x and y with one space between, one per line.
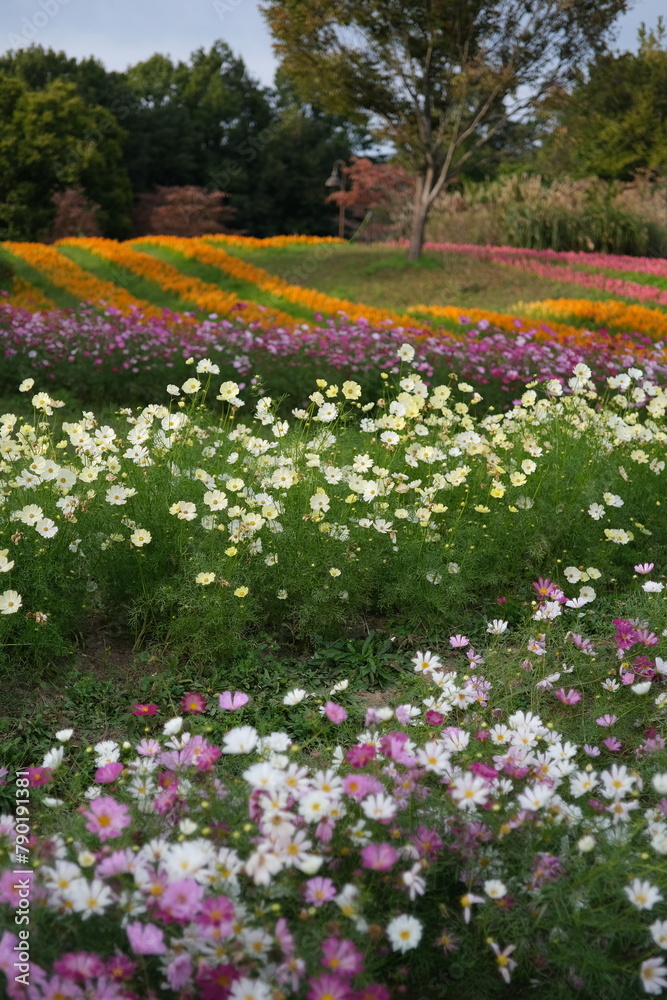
10 602
643 895
241 739
295 696
173 726
53 759
495 889
64 735
404 933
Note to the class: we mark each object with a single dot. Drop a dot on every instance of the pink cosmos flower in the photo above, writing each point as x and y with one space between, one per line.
120 968
427 842
215 983
319 890
606 720
591 751
379 857
146 939
571 698
179 971
144 710
358 786
328 987
342 957
335 713
108 772
207 758
79 965
458 641
644 568
433 718
612 743
360 756
217 911
231 702
374 991
182 899
148 748
107 818
193 703
38 776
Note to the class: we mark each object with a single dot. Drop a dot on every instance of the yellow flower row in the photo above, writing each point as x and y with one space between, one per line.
27 296
253 243
203 295
609 313
67 275
204 252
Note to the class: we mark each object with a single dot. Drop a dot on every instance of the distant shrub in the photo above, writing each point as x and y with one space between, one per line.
181 211
589 215
76 215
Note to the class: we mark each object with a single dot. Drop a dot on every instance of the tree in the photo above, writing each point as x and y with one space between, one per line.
50 140
182 211
374 187
614 123
75 215
437 78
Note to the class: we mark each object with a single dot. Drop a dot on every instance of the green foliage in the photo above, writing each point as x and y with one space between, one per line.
205 123
51 139
614 123
601 225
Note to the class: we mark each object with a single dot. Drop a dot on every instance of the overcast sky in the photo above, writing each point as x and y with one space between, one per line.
123 32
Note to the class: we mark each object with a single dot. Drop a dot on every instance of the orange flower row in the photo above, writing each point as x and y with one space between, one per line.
27 296
206 297
513 323
203 251
67 275
253 243
609 313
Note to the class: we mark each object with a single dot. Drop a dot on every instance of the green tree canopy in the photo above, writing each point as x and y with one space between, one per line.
51 139
614 122
437 78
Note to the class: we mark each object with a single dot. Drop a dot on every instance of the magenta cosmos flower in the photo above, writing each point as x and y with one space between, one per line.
38 776
108 772
193 703
144 710
107 818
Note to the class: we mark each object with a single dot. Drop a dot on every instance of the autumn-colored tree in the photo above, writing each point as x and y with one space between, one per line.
182 211
76 214
380 188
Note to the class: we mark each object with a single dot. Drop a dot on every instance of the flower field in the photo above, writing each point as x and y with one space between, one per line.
378 707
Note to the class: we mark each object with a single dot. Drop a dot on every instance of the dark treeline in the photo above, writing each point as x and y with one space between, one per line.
72 124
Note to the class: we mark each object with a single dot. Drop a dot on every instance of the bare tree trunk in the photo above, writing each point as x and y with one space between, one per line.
419 216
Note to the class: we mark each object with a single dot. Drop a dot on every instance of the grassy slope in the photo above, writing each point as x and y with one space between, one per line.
380 276
60 298
141 288
245 290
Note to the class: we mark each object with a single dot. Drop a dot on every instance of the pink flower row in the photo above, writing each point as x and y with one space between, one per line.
525 260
